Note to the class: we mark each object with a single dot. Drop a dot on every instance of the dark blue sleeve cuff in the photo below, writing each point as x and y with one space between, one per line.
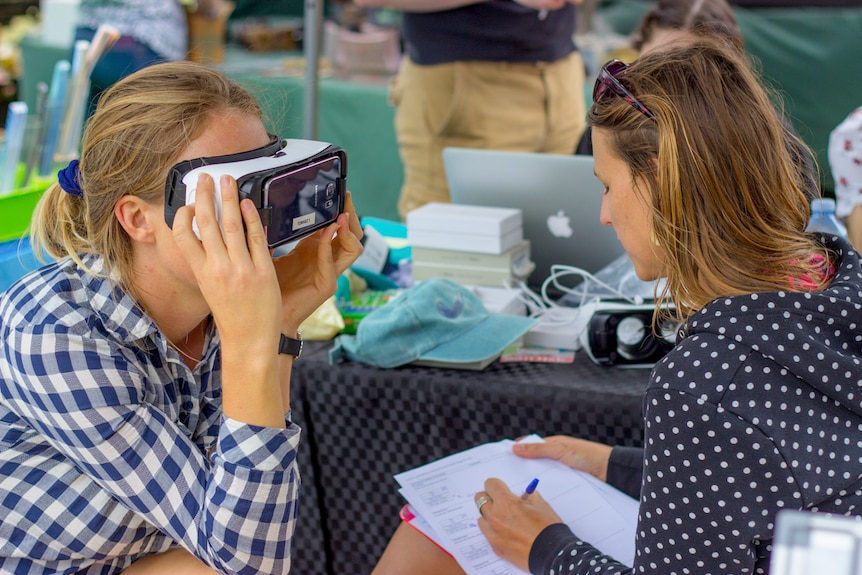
547 545
626 470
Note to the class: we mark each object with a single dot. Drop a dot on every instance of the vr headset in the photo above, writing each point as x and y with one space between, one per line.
298 186
618 332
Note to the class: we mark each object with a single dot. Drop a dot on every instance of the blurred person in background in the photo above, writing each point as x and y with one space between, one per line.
668 20
495 74
152 31
845 161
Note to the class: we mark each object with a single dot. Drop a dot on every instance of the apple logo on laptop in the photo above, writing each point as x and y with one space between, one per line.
559 226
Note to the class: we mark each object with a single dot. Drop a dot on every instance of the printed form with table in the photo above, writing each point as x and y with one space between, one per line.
441 503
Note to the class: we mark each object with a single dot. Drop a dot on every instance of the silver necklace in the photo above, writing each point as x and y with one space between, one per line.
184 354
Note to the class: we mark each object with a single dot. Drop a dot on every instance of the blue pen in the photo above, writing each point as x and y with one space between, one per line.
530 488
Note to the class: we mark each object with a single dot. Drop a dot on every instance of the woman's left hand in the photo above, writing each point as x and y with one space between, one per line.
308 275
511 523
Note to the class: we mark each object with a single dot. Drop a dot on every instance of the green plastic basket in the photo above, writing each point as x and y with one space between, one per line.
16 209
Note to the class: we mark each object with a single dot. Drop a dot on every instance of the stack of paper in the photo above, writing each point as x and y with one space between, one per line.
441 504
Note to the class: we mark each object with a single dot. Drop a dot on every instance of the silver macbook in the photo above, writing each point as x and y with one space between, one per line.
559 196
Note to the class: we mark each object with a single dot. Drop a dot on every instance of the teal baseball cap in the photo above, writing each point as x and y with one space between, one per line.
436 320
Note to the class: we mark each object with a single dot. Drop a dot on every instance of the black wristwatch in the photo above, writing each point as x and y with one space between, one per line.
290 346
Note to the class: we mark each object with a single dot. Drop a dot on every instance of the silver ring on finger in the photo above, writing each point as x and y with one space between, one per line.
482 501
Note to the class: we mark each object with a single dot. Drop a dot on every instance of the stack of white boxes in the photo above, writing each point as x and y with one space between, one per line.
471 245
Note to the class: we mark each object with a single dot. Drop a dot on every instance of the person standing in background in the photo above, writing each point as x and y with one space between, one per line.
845 161
151 31
496 74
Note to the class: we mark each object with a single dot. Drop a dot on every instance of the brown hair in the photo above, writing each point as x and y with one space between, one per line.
700 17
140 126
727 200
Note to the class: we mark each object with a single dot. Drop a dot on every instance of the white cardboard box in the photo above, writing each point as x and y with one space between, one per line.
469 275
513 257
486 244
461 219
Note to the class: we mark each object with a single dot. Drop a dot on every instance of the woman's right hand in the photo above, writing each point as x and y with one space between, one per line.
588 456
236 277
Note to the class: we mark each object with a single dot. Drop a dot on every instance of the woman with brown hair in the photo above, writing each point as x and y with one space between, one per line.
756 409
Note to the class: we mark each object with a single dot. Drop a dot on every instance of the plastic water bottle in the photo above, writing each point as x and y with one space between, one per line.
823 218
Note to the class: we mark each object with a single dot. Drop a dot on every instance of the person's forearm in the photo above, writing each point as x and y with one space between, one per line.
252 390
416 5
285 368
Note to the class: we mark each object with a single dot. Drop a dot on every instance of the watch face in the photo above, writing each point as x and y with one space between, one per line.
631 330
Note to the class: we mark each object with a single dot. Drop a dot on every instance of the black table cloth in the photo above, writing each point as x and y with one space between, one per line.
361 425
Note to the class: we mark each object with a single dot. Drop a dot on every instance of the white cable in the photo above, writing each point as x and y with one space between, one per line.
559 270
531 299
543 305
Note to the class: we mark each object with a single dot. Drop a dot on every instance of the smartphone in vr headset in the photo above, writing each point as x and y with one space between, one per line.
298 186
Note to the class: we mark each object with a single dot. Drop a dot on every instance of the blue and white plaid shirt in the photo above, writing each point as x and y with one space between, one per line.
111 448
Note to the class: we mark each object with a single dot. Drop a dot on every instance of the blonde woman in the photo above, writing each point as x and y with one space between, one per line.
144 404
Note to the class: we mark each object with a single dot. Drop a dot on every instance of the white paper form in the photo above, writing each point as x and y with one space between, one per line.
442 493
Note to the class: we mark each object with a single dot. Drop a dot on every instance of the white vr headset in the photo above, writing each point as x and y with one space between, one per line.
298 186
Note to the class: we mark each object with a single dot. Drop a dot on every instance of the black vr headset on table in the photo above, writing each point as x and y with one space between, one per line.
298 186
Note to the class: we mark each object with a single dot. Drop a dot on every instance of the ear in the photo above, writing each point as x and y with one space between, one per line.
135 216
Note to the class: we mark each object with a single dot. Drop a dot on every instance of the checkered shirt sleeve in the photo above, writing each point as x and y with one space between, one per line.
111 448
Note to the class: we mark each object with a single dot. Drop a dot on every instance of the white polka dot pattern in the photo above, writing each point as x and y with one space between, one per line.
759 408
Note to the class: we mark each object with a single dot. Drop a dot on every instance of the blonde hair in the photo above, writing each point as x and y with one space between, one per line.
727 200
140 126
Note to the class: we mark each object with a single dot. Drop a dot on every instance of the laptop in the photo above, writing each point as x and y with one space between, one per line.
559 196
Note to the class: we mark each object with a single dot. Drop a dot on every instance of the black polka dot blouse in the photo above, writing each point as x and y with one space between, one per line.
758 408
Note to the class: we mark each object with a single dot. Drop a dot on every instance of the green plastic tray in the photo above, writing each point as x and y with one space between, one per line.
16 209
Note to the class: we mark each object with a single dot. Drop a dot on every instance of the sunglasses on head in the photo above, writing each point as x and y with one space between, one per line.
608 83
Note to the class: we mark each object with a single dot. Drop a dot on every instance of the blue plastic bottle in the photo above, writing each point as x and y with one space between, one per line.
823 218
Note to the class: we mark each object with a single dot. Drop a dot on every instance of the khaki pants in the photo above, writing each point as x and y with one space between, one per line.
528 107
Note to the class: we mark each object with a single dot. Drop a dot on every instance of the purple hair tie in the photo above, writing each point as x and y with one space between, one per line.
68 177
